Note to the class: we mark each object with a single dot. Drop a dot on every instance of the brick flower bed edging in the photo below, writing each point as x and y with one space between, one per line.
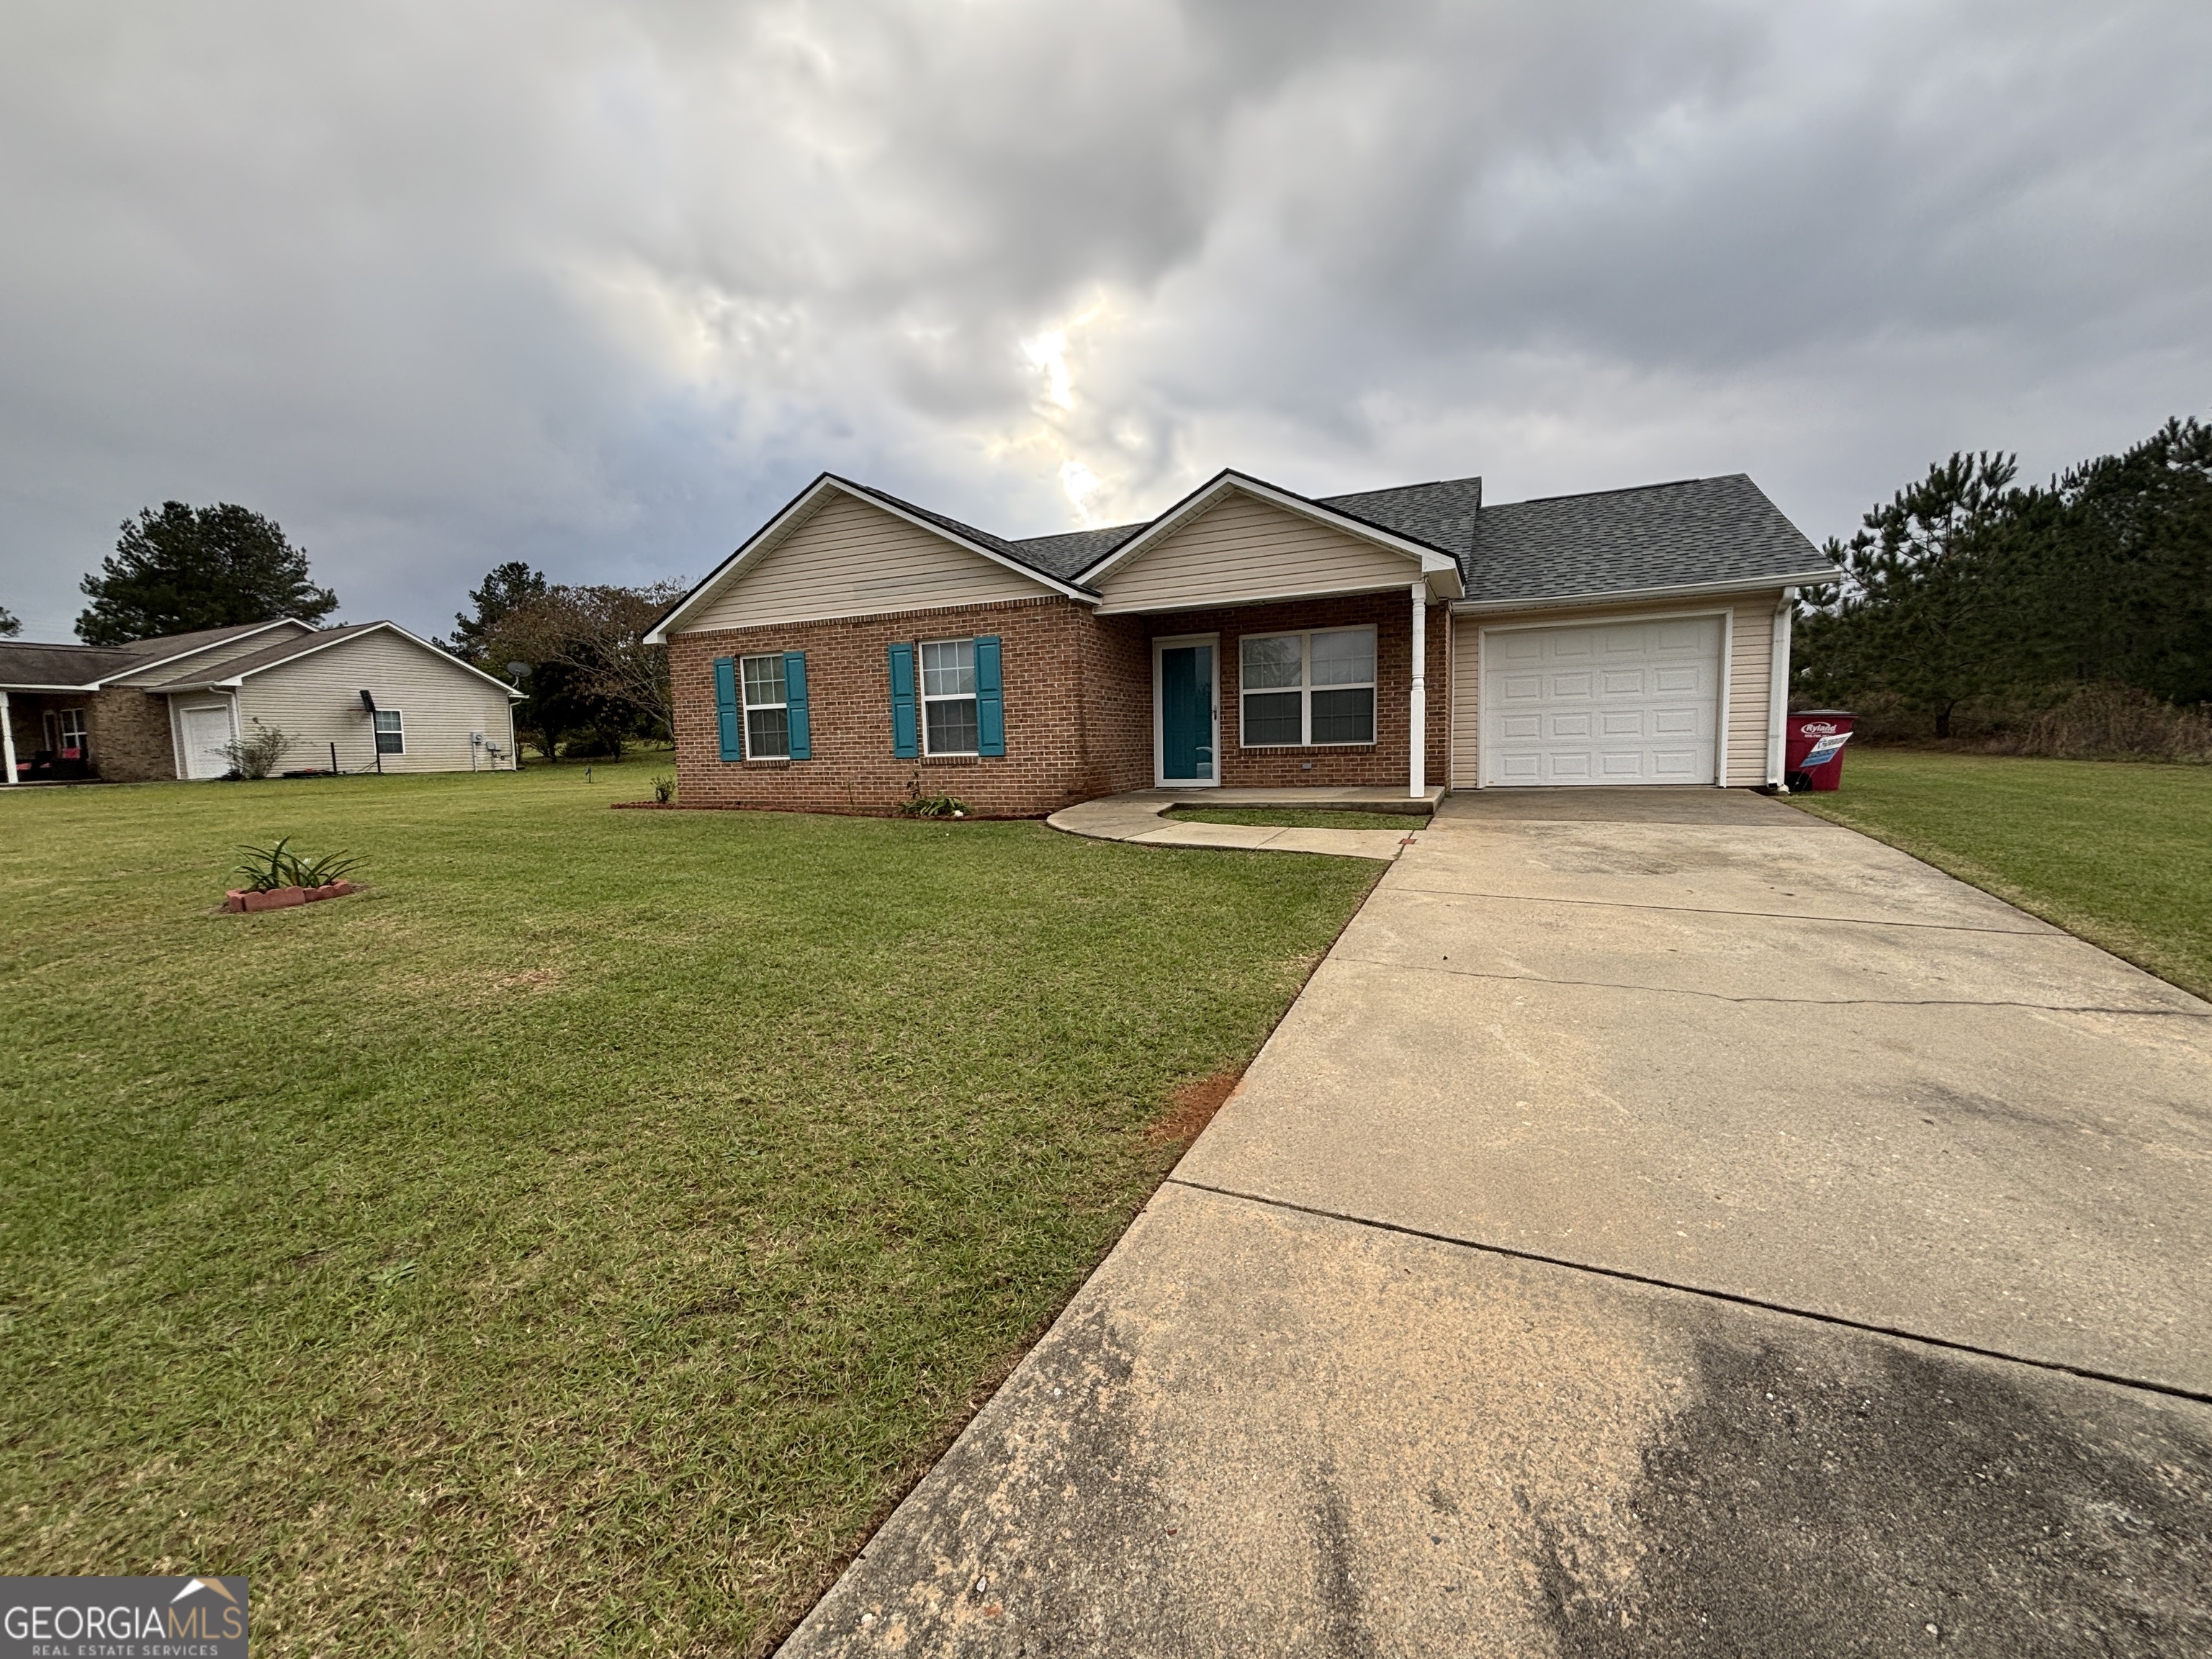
283 898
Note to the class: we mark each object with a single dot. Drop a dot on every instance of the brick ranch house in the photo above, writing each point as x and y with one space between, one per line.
859 648
373 696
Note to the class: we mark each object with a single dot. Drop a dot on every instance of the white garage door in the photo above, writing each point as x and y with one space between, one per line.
1612 702
207 730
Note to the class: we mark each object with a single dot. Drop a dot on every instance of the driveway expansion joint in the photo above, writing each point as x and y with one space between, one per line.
2042 930
1651 1281
1806 1002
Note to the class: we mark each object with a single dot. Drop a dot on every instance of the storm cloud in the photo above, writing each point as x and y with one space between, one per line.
599 286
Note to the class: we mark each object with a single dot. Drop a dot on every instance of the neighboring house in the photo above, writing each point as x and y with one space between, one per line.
858 647
377 695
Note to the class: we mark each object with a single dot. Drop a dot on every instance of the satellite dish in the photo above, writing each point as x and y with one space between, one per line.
520 670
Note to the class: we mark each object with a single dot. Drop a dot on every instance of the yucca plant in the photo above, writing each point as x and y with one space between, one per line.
322 872
268 868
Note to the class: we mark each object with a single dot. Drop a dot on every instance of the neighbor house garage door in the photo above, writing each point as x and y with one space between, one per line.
1609 702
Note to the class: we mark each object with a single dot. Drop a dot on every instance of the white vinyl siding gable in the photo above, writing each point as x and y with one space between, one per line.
850 559
1242 549
316 701
208 664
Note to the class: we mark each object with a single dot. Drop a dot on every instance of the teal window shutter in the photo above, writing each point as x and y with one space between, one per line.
794 699
990 704
725 707
906 720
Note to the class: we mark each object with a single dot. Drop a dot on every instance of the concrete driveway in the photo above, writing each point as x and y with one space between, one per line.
1666 1222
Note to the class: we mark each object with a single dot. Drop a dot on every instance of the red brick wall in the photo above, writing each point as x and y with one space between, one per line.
1045 647
1384 760
1079 707
130 740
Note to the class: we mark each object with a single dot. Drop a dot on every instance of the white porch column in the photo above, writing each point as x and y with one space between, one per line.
1778 687
1419 742
7 737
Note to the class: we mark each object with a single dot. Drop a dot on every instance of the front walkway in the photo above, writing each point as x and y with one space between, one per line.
1136 816
1666 1224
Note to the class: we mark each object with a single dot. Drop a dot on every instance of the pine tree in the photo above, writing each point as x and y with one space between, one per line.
187 568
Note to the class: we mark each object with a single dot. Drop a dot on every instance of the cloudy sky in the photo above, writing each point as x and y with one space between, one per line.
443 283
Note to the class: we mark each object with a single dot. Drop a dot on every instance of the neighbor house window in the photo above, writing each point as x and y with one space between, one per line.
72 735
768 708
948 697
1300 689
391 736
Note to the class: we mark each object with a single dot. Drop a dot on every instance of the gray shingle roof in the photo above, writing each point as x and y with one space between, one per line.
26 664
29 663
1075 550
1616 541
1693 532
1058 556
1441 515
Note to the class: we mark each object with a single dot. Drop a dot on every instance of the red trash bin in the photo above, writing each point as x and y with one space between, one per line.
1814 748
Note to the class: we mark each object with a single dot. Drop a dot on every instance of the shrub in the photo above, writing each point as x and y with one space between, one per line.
256 757
932 806
2078 722
664 790
268 868
2118 721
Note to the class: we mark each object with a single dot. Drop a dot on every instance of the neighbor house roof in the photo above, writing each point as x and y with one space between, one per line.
1697 533
24 664
87 668
236 668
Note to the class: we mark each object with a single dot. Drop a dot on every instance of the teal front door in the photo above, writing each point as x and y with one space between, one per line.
1186 713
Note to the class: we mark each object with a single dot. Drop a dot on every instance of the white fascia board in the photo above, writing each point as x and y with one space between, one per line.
14 685
1206 494
1634 595
801 506
251 632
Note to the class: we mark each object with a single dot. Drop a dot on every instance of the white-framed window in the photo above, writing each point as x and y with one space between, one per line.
1307 691
767 707
72 735
948 697
390 731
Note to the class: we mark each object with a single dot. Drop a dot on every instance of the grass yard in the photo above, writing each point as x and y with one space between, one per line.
1298 817
2120 854
572 1243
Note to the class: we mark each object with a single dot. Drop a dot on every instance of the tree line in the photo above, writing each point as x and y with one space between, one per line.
592 684
1968 596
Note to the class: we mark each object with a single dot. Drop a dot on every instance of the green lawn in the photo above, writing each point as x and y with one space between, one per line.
571 1244
2118 853
1298 817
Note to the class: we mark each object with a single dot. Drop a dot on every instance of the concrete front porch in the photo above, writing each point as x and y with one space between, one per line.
1137 815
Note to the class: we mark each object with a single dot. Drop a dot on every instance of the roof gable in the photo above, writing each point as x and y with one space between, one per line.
705 600
1239 539
234 670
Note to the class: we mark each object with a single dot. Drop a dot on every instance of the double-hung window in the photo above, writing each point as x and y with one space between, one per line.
390 731
949 724
768 708
1308 689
